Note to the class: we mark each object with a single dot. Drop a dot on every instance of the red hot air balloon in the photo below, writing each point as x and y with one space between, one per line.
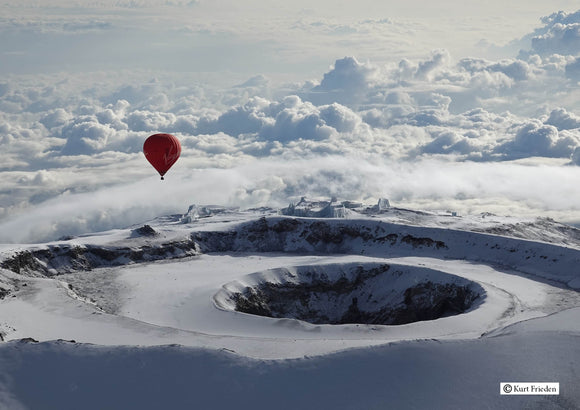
162 150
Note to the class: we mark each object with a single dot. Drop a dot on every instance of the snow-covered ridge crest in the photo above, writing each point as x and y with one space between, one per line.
55 259
375 237
374 231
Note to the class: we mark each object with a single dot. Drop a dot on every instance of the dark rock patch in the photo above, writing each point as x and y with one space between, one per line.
145 230
363 296
25 261
59 259
4 293
422 242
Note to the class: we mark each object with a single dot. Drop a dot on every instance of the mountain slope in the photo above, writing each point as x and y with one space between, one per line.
153 309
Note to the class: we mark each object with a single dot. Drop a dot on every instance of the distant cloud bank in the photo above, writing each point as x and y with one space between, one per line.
65 138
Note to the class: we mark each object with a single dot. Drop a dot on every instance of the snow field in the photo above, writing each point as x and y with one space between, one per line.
173 302
164 334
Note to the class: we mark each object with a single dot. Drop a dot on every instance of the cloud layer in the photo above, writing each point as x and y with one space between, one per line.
435 132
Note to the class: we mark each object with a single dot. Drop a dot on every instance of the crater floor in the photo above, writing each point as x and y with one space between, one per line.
282 287
184 302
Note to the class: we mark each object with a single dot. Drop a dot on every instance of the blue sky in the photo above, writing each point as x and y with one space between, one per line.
471 107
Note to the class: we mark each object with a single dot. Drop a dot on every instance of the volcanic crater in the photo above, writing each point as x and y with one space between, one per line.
369 293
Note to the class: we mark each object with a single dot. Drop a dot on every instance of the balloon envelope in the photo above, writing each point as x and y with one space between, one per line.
162 150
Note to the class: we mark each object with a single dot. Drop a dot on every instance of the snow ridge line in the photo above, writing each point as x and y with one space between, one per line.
378 238
59 259
371 237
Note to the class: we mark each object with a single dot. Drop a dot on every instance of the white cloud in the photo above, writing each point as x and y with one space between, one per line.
296 120
339 117
257 81
150 120
109 122
575 158
348 75
55 118
573 69
85 135
563 120
560 34
400 126
541 140
430 184
449 142
532 139
248 118
427 69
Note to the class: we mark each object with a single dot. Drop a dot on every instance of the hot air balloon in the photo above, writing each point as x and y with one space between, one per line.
162 150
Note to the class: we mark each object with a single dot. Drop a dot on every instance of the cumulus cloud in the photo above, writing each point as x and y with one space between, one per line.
537 139
515 69
257 81
572 69
563 120
438 82
431 101
560 34
575 158
286 120
85 135
532 139
242 119
450 142
347 74
55 118
348 81
429 68
407 110
295 120
400 129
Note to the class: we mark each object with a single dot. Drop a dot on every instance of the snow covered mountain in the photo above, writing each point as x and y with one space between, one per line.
324 304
